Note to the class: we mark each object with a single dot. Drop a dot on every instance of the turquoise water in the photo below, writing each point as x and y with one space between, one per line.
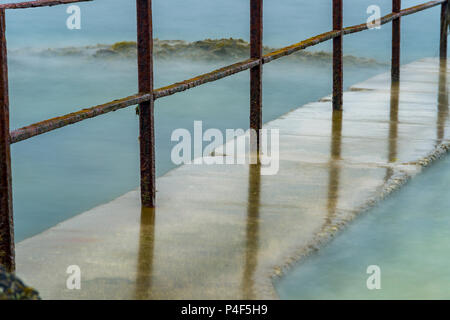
407 236
68 171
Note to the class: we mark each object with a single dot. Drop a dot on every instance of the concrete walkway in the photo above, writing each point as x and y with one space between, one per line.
223 232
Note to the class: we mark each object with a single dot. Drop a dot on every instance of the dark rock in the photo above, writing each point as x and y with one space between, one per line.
105 53
12 288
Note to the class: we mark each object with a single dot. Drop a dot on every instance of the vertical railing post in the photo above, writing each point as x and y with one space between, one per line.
396 35
256 52
444 31
6 207
337 56
146 109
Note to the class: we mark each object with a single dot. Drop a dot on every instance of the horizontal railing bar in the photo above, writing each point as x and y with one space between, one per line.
205 78
348 30
38 3
300 46
420 7
388 18
71 118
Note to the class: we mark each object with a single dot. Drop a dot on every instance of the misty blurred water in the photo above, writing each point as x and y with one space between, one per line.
285 22
407 236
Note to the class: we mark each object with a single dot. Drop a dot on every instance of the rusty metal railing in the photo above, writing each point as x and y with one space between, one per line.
147 94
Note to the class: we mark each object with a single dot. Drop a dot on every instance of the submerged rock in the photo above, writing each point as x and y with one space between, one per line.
105 53
203 50
12 288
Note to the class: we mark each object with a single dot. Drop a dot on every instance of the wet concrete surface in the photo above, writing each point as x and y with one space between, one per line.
223 231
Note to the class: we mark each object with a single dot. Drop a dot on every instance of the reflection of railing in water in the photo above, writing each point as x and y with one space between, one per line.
442 102
333 180
252 231
393 127
147 94
393 121
144 272
148 241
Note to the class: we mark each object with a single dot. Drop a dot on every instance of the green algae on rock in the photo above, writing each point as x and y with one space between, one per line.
203 50
12 288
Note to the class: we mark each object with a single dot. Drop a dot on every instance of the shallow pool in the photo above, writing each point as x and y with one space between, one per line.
407 236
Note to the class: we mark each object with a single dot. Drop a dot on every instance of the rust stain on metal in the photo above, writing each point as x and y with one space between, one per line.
6 209
205 78
256 52
146 109
391 16
38 3
71 118
74 117
286 51
338 86
444 31
396 36
418 8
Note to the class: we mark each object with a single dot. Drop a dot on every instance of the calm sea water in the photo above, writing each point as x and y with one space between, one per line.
68 171
286 22
407 236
